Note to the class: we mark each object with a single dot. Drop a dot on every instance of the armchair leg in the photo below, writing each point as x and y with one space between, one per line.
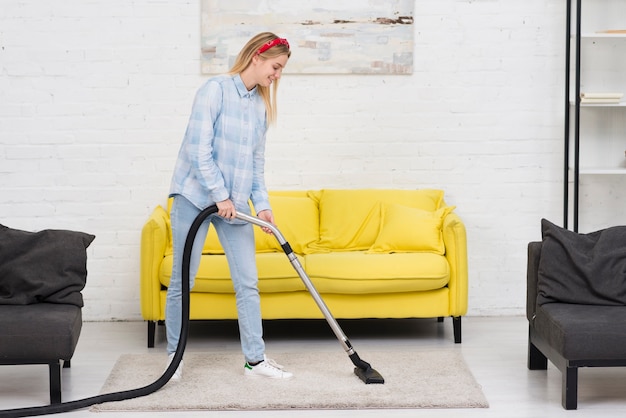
536 359
456 321
151 333
569 397
55 382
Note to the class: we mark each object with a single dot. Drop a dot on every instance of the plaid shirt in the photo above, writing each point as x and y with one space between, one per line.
223 152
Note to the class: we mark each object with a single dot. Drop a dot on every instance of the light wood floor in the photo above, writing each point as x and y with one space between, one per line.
493 347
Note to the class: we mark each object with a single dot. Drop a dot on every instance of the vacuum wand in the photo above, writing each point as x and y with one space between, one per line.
363 369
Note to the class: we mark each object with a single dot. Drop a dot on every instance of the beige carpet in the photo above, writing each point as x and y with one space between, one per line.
214 381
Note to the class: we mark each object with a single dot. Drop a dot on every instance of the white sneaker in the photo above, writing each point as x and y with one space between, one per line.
266 368
178 374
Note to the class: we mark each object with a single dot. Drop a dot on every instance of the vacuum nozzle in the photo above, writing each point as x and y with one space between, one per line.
369 375
365 372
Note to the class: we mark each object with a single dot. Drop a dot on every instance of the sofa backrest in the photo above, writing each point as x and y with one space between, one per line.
335 219
296 215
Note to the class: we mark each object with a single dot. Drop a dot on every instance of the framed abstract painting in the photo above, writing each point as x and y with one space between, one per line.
326 37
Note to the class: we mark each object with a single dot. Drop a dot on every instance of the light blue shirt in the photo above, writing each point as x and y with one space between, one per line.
223 152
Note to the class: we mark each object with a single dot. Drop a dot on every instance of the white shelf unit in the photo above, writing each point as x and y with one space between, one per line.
595 133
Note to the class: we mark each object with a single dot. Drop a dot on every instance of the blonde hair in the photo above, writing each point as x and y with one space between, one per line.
244 59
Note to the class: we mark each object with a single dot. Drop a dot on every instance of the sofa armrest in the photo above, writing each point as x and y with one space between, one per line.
455 240
154 241
532 274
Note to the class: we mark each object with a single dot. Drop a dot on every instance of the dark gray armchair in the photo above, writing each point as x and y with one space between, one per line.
42 275
576 302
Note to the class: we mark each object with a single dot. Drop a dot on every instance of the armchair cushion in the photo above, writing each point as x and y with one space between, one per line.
46 266
583 332
586 269
41 331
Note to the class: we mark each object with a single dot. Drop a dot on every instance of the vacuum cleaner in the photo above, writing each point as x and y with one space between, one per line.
362 369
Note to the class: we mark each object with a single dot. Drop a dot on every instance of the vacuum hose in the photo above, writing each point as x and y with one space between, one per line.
167 374
362 369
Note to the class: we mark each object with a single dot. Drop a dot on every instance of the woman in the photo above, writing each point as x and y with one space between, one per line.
221 162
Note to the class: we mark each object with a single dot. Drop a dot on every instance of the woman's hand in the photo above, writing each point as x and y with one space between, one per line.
226 209
267 216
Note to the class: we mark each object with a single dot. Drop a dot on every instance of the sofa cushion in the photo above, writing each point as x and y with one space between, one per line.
587 269
350 219
405 229
357 272
45 266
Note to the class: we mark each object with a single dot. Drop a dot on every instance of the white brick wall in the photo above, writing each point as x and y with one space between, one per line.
95 95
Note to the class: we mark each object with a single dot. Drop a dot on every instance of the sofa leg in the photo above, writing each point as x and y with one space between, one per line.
569 397
536 359
440 319
55 382
151 333
456 322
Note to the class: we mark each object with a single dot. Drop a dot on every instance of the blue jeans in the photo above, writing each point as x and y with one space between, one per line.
238 243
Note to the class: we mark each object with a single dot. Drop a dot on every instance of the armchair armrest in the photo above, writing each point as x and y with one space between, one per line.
455 240
154 242
532 274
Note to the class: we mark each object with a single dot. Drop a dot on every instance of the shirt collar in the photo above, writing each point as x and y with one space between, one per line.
241 87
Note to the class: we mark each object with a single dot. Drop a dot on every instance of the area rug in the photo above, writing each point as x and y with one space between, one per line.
322 380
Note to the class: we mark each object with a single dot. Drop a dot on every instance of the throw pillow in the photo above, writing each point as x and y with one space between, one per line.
297 218
46 266
405 229
588 269
350 219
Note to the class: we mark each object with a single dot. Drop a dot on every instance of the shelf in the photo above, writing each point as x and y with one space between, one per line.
592 35
600 170
603 171
621 104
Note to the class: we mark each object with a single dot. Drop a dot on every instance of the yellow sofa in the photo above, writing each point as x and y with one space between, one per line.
371 253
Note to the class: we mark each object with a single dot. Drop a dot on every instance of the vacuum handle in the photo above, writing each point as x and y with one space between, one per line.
264 224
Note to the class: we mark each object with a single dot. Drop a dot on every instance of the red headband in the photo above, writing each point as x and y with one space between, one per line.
277 41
